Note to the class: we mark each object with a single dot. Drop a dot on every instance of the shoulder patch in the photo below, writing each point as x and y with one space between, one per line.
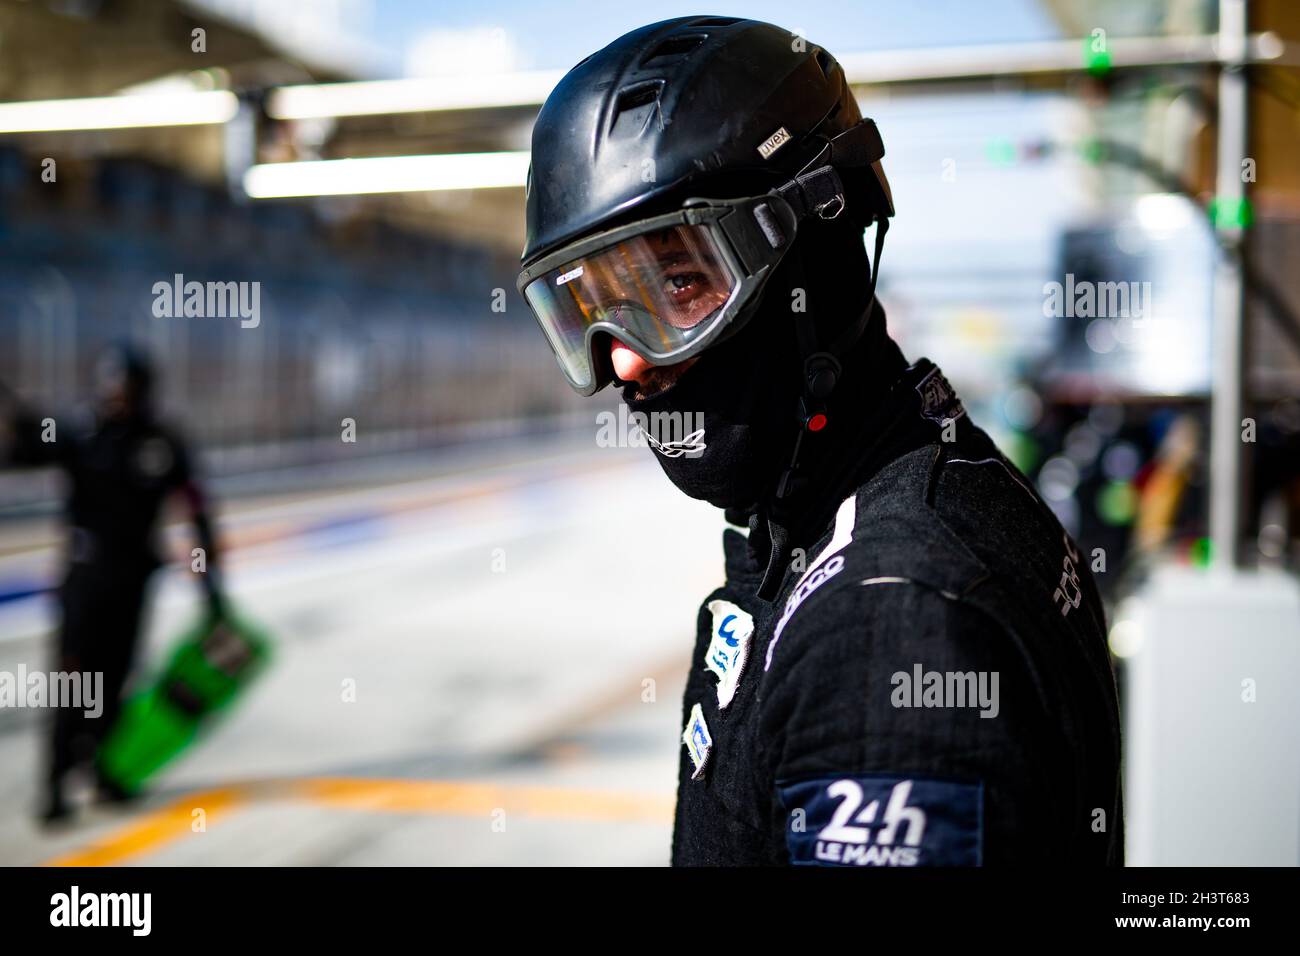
883 820
728 647
698 740
939 402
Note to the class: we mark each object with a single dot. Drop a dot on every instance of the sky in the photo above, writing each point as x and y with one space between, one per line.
546 34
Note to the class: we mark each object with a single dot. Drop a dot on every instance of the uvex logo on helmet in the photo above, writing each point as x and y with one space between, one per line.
773 143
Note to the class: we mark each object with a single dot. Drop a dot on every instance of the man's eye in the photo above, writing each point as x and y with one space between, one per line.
682 282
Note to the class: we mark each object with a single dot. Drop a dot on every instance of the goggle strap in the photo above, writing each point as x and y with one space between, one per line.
769 225
858 145
815 192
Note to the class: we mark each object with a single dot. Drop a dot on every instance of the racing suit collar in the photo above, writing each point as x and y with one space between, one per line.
905 414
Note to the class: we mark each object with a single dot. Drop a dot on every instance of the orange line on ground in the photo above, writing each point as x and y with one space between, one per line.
156 829
469 798
416 797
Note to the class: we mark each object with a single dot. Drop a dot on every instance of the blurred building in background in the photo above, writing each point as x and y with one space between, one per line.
373 304
1011 175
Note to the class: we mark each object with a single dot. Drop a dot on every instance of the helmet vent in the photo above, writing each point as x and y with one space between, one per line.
674 48
826 62
716 22
635 106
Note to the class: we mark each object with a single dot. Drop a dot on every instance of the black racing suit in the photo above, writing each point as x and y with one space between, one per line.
931 685
118 475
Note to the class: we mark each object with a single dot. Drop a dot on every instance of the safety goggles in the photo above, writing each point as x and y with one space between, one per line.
666 287
671 286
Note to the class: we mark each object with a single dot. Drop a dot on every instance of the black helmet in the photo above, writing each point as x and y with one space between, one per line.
681 103
670 117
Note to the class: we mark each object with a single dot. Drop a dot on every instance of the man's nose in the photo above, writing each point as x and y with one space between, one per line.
628 365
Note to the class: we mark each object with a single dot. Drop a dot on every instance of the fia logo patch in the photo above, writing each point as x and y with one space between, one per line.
939 402
698 740
883 820
728 648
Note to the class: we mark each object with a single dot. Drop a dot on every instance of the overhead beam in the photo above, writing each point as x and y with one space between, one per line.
888 67
128 111
387 174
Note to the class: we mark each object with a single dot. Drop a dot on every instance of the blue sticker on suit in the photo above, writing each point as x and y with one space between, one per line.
883 820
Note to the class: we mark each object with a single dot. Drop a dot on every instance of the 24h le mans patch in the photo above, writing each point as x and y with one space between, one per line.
883 820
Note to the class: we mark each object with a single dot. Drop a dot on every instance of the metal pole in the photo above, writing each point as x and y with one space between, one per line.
1226 402
239 148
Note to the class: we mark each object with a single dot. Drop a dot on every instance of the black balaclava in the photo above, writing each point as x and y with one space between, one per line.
743 390
746 389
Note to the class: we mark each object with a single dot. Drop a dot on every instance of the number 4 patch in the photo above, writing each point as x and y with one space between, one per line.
882 820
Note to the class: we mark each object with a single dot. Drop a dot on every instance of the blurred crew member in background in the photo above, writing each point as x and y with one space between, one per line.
119 470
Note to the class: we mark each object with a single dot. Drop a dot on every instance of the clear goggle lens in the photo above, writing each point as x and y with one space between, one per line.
663 289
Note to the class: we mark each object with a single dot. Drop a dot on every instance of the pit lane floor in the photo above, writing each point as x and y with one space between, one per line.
479 667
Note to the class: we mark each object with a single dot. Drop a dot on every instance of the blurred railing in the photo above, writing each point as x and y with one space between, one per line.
394 330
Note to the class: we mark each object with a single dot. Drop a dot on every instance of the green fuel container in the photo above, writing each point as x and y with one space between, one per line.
213 663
